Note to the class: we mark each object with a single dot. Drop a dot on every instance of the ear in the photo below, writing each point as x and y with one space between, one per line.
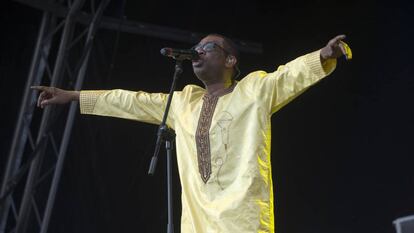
231 61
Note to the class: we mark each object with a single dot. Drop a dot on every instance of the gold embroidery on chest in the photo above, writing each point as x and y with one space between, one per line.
202 136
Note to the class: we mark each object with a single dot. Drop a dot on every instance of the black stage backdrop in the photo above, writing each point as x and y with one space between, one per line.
342 152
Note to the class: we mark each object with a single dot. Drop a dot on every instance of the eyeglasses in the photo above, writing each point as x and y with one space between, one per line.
208 47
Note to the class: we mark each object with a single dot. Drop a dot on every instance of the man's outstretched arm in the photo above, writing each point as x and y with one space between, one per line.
140 106
291 79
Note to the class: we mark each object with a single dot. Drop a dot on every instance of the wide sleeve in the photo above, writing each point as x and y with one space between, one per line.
278 88
139 106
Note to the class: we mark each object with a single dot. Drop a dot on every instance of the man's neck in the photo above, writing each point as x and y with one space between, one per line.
216 88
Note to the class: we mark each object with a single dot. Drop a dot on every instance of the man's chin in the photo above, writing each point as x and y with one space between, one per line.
198 71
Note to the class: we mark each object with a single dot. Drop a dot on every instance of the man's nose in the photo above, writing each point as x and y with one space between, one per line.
200 52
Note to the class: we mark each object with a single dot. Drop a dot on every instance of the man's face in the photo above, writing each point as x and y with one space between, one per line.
212 58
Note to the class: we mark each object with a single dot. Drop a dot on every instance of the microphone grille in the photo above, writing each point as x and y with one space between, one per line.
165 51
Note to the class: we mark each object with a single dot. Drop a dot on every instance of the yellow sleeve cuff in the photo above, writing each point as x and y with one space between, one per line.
88 99
313 60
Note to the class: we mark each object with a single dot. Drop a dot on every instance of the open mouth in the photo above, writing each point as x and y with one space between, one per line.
197 63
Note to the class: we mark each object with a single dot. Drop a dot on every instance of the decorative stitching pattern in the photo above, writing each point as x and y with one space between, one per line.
202 136
224 124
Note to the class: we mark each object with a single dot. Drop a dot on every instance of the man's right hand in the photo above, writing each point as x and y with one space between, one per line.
53 95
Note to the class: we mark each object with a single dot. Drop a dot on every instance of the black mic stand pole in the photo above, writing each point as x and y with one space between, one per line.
167 135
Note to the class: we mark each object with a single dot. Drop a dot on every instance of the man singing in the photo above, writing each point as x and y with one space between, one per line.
223 131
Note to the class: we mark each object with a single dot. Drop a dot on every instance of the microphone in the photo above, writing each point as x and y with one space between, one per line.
180 54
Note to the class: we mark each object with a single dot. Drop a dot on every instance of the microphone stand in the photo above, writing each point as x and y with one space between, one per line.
167 135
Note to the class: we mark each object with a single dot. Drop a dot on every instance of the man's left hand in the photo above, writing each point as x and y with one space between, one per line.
333 49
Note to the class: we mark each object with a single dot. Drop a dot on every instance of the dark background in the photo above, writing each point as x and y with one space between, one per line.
342 152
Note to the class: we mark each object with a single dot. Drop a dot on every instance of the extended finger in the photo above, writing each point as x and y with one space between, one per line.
338 38
40 88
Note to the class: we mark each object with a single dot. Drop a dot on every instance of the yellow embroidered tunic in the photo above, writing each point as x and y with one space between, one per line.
223 142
